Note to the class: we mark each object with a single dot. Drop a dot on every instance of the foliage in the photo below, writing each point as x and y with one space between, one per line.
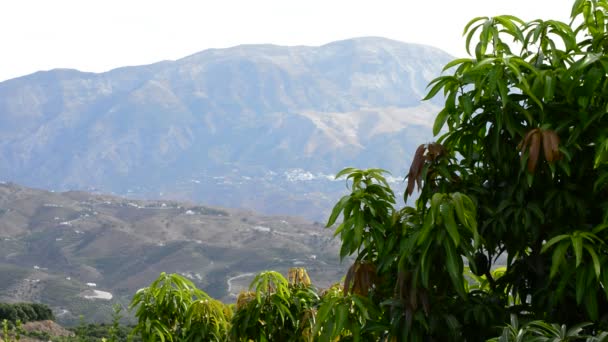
115 328
172 308
500 108
522 171
277 310
98 332
344 316
25 312
542 331
407 263
11 332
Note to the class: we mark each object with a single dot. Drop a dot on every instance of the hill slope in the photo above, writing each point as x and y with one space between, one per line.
256 126
53 244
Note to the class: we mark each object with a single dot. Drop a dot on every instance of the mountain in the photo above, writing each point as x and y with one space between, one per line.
82 253
255 126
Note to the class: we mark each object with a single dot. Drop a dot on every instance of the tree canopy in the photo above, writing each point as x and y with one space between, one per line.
519 171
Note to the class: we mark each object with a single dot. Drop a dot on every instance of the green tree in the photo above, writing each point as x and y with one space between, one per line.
11 332
277 309
173 309
26 312
43 312
521 172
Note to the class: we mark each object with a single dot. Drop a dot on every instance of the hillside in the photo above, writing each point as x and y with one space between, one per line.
262 127
80 252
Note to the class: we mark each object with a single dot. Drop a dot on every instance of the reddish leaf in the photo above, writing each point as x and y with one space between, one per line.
360 278
415 172
534 150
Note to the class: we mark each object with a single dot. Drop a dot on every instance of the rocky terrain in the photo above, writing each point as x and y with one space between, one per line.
80 253
258 127
261 127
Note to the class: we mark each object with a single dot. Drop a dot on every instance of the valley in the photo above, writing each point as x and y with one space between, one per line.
80 253
139 163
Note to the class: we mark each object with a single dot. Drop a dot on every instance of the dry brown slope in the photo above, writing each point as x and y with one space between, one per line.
61 241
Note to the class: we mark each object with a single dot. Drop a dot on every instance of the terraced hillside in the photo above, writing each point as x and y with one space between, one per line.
82 252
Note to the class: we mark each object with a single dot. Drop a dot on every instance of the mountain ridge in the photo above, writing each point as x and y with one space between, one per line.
248 111
120 68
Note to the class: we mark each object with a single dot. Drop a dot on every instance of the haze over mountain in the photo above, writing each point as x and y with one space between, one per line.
257 126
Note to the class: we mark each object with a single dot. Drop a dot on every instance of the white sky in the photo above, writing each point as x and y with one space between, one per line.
98 35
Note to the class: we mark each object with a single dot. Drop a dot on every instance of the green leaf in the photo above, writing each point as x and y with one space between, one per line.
358 227
484 38
549 91
323 313
347 244
456 62
439 82
427 226
553 241
471 22
577 244
345 171
596 261
601 154
346 225
467 104
336 210
599 228
576 8
435 201
581 282
453 264
447 213
470 35
160 334
424 264
557 258
604 283
361 306
341 312
457 201
511 28
440 121
589 59
591 305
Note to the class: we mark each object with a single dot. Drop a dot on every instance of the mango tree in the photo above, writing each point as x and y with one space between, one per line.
521 172
276 309
173 309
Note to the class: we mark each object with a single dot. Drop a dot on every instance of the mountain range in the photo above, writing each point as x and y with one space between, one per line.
261 127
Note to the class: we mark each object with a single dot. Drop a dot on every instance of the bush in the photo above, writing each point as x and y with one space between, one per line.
25 312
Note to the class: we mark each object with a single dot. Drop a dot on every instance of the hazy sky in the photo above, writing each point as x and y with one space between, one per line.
95 35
